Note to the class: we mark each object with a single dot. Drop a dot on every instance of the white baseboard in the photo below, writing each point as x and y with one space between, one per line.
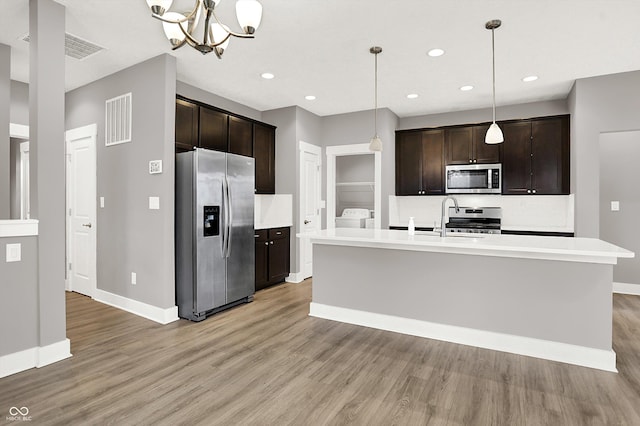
53 353
159 315
295 277
34 357
626 288
554 351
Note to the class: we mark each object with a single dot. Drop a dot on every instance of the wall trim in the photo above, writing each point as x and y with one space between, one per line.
34 357
626 288
295 277
554 351
18 228
19 131
153 313
53 353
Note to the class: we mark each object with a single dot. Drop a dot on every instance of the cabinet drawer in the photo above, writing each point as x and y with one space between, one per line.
278 233
261 235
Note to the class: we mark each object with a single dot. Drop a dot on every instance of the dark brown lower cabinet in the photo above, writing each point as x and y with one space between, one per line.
272 256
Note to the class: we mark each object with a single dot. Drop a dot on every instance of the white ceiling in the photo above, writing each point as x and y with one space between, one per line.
321 47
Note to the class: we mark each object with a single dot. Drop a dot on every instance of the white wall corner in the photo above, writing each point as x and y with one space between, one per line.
160 315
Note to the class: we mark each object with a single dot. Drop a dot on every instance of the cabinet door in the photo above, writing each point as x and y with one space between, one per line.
516 153
213 129
186 125
549 156
240 136
484 153
264 151
409 163
262 259
433 161
278 254
459 145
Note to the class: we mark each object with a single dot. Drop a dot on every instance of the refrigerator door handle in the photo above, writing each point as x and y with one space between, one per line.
225 208
230 213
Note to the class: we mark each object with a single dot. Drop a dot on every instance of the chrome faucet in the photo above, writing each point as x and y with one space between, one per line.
443 228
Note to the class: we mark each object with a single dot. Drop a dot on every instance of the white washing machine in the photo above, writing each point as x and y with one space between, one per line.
352 218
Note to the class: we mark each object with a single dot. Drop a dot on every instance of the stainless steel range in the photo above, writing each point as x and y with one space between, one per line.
480 220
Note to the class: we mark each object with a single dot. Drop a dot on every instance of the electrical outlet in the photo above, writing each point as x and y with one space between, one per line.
154 203
155 167
14 252
133 278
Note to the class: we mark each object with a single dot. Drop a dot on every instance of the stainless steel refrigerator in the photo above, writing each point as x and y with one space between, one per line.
215 248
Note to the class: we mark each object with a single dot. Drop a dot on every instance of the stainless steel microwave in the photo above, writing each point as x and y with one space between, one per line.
474 179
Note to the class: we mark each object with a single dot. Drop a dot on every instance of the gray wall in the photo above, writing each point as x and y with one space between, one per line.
357 128
609 103
506 112
197 94
47 162
287 166
5 101
19 103
130 237
19 297
619 154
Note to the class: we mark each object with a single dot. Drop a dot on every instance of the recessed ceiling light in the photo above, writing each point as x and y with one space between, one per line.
310 98
412 95
466 88
267 75
530 78
435 52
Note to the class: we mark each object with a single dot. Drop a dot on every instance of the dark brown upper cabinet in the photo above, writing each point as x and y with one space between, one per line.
536 156
465 145
213 129
240 136
420 162
186 125
264 152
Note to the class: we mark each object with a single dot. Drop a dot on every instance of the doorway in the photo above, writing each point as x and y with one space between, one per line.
81 209
309 208
333 152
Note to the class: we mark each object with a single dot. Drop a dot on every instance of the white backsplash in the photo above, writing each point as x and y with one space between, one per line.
273 211
550 213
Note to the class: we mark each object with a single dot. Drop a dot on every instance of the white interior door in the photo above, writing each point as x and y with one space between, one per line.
81 209
24 181
309 202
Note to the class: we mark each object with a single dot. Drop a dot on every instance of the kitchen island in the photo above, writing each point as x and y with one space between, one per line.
545 297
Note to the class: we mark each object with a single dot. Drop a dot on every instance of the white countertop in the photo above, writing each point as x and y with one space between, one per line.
18 228
569 249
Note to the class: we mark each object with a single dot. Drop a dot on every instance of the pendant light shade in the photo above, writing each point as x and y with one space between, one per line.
376 143
494 134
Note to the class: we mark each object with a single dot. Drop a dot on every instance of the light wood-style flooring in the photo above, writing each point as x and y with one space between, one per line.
269 363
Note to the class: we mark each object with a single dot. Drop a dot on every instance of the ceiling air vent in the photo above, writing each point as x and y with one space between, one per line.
75 47
117 128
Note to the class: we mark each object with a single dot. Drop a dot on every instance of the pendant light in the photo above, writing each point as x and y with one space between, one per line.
494 134
376 143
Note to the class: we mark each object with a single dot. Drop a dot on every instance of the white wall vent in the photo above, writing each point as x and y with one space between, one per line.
75 47
117 127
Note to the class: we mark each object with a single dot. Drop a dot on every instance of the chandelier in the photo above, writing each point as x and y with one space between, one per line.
179 27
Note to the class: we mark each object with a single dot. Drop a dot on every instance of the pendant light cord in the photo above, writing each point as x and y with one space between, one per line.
375 109
493 54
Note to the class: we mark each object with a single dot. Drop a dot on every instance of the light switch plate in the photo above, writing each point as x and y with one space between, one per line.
615 206
14 252
102 202
154 203
155 167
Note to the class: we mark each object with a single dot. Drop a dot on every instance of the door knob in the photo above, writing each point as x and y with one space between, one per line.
87 225
306 222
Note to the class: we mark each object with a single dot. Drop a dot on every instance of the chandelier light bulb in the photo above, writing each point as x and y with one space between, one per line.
173 31
249 13
159 6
